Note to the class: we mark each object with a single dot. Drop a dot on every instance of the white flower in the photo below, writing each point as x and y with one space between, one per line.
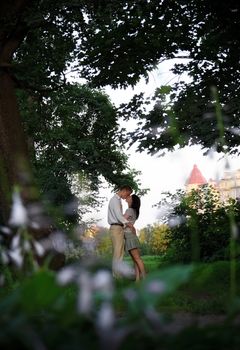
35 225
66 275
5 230
56 241
26 246
102 281
106 317
16 256
156 287
15 242
38 248
85 292
18 216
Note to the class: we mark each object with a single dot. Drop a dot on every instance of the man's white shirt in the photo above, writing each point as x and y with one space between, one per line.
115 214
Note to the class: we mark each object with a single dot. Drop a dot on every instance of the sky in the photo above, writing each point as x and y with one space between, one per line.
167 173
161 173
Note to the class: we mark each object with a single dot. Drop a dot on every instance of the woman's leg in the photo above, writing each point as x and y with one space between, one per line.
137 272
135 254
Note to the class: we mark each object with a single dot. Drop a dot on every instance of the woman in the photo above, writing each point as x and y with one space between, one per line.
131 240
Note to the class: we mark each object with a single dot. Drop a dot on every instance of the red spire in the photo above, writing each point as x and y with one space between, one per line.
196 177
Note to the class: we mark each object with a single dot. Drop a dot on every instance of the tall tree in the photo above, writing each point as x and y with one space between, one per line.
14 161
115 44
72 131
38 42
205 110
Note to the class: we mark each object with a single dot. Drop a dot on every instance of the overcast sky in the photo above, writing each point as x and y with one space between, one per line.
166 173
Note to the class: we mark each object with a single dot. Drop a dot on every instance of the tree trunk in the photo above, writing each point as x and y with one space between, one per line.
13 146
14 161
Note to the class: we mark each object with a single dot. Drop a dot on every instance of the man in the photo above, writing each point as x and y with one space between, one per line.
117 223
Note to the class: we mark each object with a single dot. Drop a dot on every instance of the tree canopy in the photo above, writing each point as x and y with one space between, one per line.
115 43
73 131
205 111
70 128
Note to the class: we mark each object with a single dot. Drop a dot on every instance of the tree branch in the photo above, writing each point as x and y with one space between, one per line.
24 85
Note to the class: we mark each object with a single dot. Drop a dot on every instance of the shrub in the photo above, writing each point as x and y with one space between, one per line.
205 230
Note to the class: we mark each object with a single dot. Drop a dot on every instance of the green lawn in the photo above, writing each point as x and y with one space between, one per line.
151 262
207 291
40 304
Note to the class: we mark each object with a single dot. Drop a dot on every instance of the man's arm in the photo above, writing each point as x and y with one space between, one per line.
115 207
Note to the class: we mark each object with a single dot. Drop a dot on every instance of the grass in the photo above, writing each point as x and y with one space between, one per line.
151 262
207 291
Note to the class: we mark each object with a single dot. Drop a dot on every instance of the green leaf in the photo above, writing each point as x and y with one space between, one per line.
40 291
163 90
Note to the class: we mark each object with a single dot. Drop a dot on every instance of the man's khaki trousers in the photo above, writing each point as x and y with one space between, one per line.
117 237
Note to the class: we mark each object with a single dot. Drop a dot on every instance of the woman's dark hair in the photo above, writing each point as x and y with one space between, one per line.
136 203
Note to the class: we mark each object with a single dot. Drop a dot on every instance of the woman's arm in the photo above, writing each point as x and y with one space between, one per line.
127 215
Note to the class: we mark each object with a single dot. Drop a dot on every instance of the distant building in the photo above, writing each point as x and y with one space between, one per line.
195 180
228 186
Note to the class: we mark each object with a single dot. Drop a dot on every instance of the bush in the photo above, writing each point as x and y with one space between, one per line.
76 308
206 230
